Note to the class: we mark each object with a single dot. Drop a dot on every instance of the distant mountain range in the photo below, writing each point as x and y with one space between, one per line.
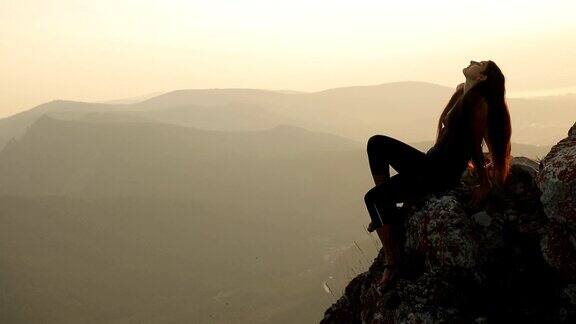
81 158
405 110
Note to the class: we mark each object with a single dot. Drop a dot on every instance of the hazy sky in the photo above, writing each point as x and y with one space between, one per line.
96 50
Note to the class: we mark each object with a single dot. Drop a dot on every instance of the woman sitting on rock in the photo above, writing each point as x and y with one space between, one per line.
477 111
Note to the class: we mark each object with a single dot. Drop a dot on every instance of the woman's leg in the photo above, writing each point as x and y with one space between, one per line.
384 232
383 152
381 202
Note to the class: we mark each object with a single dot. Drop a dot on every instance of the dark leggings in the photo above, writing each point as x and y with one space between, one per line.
417 175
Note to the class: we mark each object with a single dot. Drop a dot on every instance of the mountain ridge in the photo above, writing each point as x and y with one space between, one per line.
355 112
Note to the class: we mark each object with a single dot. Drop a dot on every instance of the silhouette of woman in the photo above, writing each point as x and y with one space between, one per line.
477 111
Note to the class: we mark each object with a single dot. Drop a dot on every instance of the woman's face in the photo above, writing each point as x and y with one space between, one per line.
475 71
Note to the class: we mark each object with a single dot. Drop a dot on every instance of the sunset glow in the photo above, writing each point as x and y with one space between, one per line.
104 50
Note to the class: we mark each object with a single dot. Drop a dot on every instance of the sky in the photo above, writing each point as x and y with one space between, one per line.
99 50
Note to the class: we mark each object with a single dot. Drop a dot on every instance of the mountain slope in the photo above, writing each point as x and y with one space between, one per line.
124 222
121 158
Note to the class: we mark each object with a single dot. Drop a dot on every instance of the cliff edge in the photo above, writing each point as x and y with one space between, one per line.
511 259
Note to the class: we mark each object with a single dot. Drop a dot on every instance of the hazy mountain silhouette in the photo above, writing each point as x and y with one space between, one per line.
121 158
406 110
133 100
16 125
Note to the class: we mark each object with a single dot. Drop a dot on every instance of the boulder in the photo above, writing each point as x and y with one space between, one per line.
557 181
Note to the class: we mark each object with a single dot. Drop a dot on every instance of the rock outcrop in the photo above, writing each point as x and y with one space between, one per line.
511 259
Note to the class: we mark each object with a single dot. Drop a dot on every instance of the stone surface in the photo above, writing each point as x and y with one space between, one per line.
482 218
557 181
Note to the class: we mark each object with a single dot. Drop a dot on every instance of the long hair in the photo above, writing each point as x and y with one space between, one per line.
499 128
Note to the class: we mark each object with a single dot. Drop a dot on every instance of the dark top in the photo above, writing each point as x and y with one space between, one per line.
451 153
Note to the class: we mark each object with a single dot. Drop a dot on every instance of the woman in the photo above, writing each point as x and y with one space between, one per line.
477 111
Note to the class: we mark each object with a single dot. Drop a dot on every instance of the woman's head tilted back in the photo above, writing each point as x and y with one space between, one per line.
489 83
489 80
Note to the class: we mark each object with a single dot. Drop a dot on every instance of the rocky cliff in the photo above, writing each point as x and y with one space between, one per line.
511 259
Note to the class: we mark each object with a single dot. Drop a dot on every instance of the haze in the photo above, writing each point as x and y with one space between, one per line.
104 50
150 171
